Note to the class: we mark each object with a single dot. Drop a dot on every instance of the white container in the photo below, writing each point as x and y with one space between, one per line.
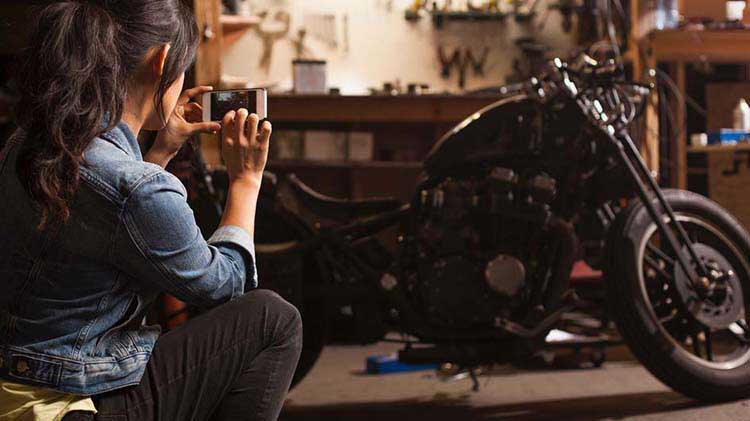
699 139
666 14
310 77
735 10
742 116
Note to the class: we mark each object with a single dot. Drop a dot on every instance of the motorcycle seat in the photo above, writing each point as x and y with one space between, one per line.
336 208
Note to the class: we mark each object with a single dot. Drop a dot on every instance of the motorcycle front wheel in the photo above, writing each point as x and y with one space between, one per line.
700 348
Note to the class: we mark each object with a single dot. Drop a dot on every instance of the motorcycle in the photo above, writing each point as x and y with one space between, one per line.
508 200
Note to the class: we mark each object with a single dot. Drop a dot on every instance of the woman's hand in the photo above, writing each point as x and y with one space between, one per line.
244 149
245 152
185 121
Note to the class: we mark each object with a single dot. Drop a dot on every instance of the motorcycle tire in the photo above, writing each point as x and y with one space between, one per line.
646 335
294 277
300 274
311 309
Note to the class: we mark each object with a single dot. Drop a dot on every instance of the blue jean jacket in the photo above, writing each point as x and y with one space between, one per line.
73 296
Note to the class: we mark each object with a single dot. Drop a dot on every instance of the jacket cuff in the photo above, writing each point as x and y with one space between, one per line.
236 236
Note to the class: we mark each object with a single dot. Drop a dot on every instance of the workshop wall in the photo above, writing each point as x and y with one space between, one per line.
381 45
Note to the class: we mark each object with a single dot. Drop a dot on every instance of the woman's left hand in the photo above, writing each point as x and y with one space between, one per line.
185 121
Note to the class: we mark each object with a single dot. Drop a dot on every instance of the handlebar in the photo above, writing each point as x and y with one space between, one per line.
599 89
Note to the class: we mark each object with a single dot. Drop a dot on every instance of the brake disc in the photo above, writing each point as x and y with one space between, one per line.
723 304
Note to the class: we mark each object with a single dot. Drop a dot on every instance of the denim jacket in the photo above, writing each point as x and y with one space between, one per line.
73 296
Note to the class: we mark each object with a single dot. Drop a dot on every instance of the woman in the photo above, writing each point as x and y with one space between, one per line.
93 229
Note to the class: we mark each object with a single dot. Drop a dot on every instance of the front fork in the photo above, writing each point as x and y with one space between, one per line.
679 242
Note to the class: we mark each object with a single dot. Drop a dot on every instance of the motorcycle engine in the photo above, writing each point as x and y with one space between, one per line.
478 244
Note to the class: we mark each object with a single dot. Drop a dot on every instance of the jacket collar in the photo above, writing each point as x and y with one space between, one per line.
122 137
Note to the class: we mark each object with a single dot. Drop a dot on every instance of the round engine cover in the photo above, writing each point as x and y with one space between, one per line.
454 294
505 275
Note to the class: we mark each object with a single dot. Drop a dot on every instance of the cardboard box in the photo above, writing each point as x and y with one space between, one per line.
361 145
721 99
325 146
729 180
287 144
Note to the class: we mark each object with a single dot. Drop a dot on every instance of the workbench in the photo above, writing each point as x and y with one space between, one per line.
722 172
676 48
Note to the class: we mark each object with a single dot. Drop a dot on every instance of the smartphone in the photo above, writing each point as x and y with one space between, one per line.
216 104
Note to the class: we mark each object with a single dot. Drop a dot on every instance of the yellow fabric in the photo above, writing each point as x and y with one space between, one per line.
19 402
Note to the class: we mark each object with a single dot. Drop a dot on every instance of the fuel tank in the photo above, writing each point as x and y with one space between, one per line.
499 130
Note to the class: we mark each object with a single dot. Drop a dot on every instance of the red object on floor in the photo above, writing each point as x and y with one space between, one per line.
584 274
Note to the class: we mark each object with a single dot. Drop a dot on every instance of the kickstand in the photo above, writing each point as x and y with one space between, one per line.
449 372
474 380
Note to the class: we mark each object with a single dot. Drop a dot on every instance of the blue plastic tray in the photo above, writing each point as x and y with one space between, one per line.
384 364
728 136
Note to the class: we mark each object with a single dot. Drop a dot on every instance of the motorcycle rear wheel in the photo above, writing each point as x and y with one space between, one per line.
294 276
701 350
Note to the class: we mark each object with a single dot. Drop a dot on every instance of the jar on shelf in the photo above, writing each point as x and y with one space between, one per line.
666 14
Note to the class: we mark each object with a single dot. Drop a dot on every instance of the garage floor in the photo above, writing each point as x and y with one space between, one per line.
338 389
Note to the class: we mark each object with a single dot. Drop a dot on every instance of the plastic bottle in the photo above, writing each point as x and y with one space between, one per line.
666 14
742 116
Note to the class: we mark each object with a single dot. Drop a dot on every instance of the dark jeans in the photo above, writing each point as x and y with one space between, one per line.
234 362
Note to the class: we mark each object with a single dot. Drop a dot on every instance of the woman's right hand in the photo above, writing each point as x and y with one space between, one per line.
244 149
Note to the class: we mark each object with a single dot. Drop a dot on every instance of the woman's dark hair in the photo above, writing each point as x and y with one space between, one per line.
73 79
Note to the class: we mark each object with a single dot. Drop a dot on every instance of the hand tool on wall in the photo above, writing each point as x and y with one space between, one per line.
300 50
525 10
417 5
567 8
269 37
461 59
447 62
323 27
345 31
463 67
473 8
478 63
486 6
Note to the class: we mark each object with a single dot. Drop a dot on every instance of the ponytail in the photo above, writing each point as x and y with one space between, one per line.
69 82
73 81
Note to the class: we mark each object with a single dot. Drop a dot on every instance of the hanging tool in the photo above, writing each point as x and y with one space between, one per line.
446 63
478 63
270 37
300 50
461 59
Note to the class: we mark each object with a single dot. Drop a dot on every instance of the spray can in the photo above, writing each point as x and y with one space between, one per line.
742 116
666 14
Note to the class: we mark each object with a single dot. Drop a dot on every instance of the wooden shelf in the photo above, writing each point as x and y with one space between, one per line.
238 23
375 109
677 47
234 27
719 148
459 15
729 45
439 17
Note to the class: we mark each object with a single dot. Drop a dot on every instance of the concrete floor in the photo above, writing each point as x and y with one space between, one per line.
338 389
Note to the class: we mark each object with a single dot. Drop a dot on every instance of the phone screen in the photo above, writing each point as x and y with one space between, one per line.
224 102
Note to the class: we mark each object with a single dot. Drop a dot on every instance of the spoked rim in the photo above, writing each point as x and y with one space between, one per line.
694 338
